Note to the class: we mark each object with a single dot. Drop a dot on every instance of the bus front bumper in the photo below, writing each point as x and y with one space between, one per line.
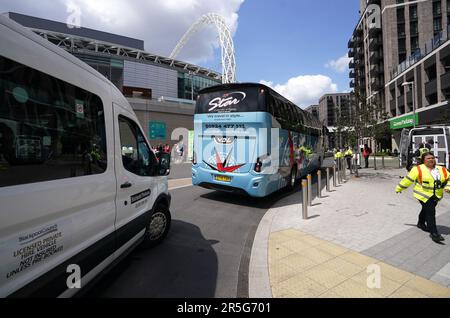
249 183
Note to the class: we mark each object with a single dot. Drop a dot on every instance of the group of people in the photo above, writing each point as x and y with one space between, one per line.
347 154
162 148
166 149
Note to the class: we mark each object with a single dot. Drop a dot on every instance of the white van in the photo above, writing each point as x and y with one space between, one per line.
79 184
436 136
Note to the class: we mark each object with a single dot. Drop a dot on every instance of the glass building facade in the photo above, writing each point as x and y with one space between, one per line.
190 84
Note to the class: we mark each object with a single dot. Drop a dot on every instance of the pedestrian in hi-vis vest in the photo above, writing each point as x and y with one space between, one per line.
348 154
430 183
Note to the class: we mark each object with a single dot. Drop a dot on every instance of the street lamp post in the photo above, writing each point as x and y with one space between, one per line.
411 84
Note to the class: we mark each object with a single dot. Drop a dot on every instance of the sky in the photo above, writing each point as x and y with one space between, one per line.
298 47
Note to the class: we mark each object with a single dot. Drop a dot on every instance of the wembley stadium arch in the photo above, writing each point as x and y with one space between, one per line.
226 44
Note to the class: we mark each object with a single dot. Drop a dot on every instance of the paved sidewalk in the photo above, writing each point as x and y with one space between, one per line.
360 224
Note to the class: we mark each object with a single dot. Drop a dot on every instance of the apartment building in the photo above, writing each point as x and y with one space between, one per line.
401 60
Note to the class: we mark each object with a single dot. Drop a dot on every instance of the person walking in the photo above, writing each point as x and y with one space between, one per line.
338 157
348 156
366 154
431 182
420 152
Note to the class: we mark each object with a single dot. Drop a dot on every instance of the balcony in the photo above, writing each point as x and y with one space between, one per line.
401 101
375 84
375 71
374 58
409 98
359 54
431 87
352 84
351 64
351 53
361 66
357 32
351 74
445 81
374 44
392 104
374 32
351 43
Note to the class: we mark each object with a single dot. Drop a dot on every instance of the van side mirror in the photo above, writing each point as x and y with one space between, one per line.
163 164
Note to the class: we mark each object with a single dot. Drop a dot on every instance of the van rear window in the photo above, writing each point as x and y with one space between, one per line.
49 129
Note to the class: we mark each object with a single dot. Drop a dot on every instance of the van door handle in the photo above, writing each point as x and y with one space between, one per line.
126 185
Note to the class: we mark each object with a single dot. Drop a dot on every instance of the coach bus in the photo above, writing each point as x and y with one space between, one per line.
251 140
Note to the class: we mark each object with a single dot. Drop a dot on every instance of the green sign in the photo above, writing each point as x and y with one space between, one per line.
157 130
404 122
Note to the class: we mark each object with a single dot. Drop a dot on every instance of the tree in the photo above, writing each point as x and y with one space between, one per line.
369 121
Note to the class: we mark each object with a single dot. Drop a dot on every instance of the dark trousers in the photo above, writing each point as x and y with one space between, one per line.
428 214
366 160
349 163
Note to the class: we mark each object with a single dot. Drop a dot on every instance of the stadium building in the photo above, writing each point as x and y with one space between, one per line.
161 90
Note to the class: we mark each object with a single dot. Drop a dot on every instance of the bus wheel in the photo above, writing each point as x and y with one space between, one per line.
158 226
292 178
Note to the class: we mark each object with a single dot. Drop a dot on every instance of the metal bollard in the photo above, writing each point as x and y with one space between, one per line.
319 184
344 170
339 172
309 178
382 162
334 177
305 199
328 179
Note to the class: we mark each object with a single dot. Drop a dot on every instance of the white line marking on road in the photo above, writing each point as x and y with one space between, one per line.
180 187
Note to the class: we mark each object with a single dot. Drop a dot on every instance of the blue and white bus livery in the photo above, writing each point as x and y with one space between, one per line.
250 139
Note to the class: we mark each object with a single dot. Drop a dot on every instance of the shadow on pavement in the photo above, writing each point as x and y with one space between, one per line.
445 230
184 266
277 199
442 229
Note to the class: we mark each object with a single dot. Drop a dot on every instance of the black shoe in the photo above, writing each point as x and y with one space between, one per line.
422 226
437 238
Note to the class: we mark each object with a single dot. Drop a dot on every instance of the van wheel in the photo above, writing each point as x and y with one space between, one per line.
158 226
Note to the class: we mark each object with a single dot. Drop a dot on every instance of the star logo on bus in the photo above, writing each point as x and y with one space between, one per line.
223 166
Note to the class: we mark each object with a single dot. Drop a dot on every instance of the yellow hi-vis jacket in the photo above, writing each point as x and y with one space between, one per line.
348 153
425 184
338 155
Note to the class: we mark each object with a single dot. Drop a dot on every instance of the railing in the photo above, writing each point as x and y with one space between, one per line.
418 55
431 87
401 101
445 80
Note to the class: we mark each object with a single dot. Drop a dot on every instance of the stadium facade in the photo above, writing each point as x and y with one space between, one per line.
161 90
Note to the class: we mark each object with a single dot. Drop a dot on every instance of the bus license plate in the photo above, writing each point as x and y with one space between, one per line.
222 178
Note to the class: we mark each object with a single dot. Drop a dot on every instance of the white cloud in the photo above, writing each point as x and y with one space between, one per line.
340 65
304 90
160 23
